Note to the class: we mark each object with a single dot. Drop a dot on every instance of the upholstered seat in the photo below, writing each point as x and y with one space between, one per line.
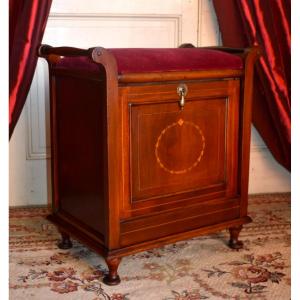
147 60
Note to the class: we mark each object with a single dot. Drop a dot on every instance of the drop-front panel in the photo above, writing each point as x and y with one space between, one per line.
174 154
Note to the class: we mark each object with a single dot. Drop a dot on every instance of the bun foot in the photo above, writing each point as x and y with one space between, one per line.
111 280
234 242
112 277
65 242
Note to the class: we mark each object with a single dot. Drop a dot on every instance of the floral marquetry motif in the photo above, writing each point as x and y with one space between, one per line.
172 152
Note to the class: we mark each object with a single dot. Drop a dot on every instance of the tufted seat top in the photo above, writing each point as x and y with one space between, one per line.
145 60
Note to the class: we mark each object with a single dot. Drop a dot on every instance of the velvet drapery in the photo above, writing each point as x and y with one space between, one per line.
266 23
27 22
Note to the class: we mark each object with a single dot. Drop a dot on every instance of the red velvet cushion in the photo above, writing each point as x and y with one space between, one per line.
143 60
181 59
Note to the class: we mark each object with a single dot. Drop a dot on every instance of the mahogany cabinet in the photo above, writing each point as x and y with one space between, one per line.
149 146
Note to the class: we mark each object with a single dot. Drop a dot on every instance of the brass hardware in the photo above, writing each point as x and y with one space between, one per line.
182 92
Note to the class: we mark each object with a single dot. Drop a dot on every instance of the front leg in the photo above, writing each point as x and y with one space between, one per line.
65 242
234 242
112 277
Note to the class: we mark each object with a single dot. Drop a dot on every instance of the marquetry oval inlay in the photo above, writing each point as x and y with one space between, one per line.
180 147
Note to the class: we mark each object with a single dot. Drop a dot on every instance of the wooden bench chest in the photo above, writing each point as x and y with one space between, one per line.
149 146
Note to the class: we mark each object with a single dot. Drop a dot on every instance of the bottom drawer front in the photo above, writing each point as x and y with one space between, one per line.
178 226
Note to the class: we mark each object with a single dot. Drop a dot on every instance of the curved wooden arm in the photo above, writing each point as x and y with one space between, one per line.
46 50
54 54
227 49
237 51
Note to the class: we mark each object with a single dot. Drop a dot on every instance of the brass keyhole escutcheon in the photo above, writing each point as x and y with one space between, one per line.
182 92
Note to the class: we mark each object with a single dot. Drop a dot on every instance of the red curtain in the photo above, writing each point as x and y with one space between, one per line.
266 23
27 21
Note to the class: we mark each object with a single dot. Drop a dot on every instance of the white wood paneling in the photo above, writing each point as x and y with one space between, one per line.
29 180
37 108
115 23
187 9
125 30
208 34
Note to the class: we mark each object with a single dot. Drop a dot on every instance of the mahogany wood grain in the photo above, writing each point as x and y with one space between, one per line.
179 225
203 103
47 50
131 169
112 277
177 76
113 138
197 209
245 135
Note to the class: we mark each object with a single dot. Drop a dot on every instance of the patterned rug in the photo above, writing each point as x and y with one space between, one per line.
200 268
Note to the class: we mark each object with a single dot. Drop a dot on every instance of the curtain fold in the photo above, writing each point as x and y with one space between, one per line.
266 23
27 22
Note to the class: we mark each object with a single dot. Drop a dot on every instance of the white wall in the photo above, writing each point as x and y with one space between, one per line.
115 23
266 174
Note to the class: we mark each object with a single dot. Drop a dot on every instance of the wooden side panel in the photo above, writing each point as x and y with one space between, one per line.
79 156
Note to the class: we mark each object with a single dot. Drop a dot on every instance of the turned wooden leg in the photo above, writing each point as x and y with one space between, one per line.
65 242
112 277
234 242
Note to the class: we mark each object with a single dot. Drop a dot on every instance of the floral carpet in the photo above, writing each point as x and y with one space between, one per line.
199 268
